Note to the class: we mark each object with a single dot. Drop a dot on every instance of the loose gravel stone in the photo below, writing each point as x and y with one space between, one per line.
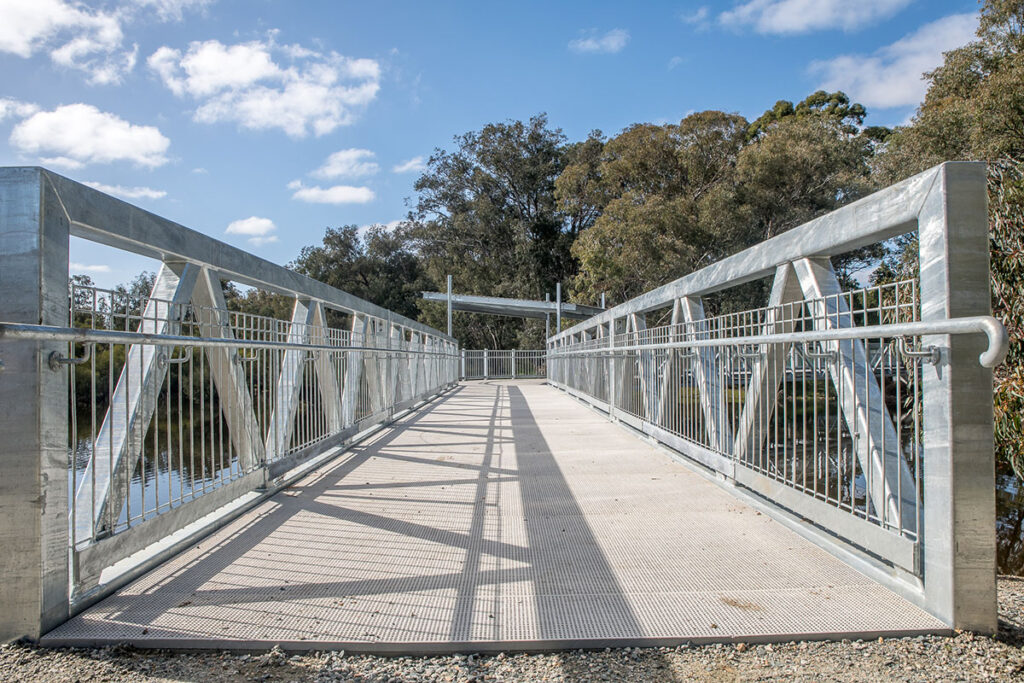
962 657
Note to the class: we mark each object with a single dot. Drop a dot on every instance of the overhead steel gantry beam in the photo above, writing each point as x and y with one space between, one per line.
516 308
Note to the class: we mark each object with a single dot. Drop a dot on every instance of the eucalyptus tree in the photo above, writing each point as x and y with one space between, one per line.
486 213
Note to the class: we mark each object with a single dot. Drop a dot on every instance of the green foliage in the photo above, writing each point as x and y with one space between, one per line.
799 168
258 302
655 192
1006 193
670 199
486 213
376 264
974 109
835 107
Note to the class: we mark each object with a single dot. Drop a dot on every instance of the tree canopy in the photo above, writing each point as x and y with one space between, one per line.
486 213
974 109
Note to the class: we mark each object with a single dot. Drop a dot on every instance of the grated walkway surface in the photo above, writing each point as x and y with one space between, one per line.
502 516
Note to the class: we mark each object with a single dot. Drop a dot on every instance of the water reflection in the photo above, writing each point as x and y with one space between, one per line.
173 469
1009 523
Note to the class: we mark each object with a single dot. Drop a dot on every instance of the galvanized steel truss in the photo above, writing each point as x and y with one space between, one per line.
267 394
896 475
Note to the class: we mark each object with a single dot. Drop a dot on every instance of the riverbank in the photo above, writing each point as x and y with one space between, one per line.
965 656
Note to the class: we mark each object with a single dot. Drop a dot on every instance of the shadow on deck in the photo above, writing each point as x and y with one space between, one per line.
503 516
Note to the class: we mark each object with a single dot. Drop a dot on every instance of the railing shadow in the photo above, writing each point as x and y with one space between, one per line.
444 543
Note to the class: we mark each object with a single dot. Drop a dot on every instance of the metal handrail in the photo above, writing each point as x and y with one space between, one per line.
56 360
998 339
82 335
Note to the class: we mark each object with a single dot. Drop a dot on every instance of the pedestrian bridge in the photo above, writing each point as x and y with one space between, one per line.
181 474
499 516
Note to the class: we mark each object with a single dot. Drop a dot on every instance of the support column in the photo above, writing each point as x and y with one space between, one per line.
558 307
710 384
34 418
395 348
612 380
353 370
372 365
103 486
228 375
648 374
889 482
547 317
959 478
326 374
449 305
289 381
670 367
768 371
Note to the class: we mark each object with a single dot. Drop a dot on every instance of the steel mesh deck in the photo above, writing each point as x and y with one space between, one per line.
503 516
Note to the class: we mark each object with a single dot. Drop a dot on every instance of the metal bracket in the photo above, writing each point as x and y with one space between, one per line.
742 353
55 360
163 361
688 357
815 355
928 354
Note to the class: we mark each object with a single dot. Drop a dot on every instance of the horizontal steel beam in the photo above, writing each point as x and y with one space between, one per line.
875 218
98 217
514 308
998 339
84 335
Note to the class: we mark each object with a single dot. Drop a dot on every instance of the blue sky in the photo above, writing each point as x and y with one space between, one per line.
263 122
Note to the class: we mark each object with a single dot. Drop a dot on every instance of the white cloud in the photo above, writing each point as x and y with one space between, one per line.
79 134
80 37
609 43
414 165
390 226
173 10
85 268
674 62
212 66
261 84
802 16
11 108
892 75
257 230
348 163
128 192
698 16
77 36
337 194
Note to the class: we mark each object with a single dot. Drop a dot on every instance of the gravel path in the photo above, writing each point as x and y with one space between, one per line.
965 657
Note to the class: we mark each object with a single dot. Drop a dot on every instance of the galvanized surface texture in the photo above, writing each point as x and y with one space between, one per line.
504 516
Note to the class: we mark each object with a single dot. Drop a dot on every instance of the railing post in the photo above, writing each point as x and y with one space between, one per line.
485 364
449 305
288 387
959 481
547 318
513 364
327 378
34 418
611 369
558 307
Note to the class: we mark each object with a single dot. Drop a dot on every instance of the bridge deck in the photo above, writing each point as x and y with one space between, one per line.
503 516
